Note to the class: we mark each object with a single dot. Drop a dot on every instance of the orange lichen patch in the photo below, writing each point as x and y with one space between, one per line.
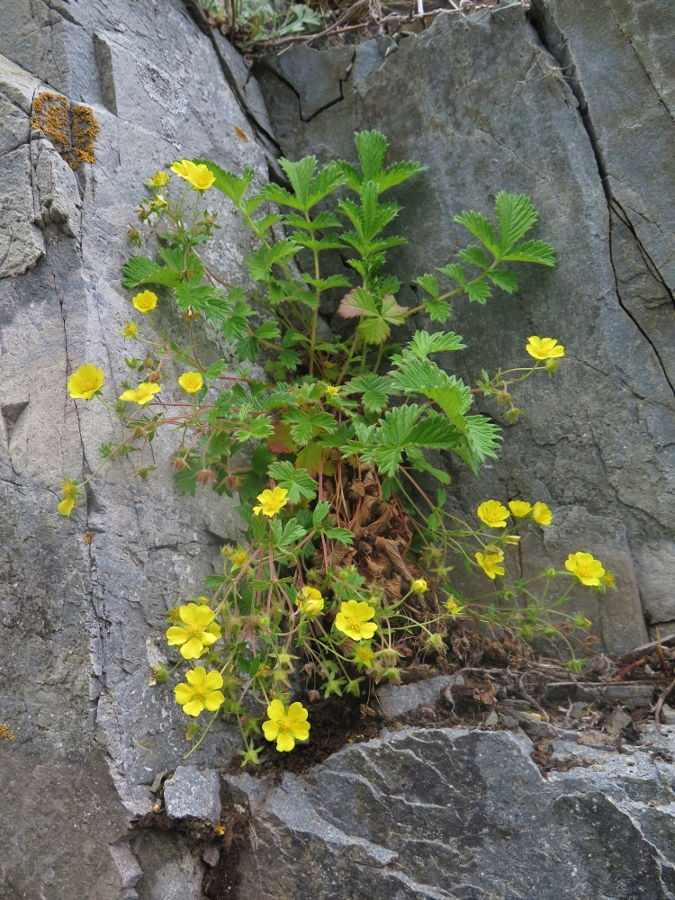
51 116
6 733
71 131
241 134
85 129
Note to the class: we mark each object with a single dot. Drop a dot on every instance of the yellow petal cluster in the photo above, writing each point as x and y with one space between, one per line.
541 514
493 514
271 502
197 633
310 601
519 508
352 620
191 382
199 176
70 494
201 692
129 330
453 607
145 302
491 564
143 394
588 570
286 726
544 348
85 382
363 655
419 586
159 179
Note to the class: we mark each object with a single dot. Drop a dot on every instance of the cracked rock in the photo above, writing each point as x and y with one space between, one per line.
191 792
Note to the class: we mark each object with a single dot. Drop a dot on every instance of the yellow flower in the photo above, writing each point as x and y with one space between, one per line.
544 348
159 179
363 655
541 514
331 390
239 558
491 564
191 382
197 634
145 302
493 514
271 502
85 382
419 586
183 168
202 691
70 494
310 601
286 727
352 620
519 508
589 571
201 178
453 607
143 394
129 330
609 580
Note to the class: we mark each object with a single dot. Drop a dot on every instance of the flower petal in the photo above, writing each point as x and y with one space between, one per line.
176 635
213 700
196 676
203 615
301 731
270 730
213 680
297 713
193 708
183 693
193 649
276 711
285 742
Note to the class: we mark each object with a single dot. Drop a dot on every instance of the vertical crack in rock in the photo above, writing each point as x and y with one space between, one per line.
555 43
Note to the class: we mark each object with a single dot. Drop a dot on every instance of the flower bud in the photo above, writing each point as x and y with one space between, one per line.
551 365
419 586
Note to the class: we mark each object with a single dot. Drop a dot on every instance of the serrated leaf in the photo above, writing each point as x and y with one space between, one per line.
357 302
371 147
480 227
353 179
328 180
430 285
320 512
268 331
233 186
534 252
479 291
396 174
424 343
216 369
456 272
342 535
289 359
475 257
300 175
438 310
507 281
274 193
374 331
297 482
373 387
417 458
516 215
139 270
434 432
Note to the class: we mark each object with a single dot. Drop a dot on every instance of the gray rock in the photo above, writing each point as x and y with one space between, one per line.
486 106
191 792
127 865
85 620
396 700
451 813
617 722
633 696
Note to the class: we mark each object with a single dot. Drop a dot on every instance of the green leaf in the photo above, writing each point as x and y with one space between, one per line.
424 343
140 270
300 175
296 481
480 227
233 186
358 302
216 369
475 257
328 180
373 387
396 174
274 193
532 251
289 359
479 291
482 439
342 535
417 458
434 432
456 272
371 147
507 281
268 331
438 310
374 331
320 512
516 215
430 285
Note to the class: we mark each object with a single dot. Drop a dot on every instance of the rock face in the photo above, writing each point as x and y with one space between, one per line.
577 113
451 813
84 599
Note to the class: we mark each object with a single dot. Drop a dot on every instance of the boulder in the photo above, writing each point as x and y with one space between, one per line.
457 813
84 599
572 106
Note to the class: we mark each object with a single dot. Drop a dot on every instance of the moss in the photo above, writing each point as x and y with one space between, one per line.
72 131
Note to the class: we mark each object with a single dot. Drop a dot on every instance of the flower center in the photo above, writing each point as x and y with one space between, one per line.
199 692
194 630
285 724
